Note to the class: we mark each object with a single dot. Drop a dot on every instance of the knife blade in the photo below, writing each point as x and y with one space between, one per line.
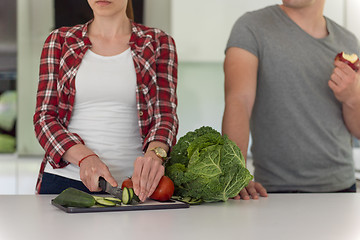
106 187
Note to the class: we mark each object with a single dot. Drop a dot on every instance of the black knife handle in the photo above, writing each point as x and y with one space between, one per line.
102 183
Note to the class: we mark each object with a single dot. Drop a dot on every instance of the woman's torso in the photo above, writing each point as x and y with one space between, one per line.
105 113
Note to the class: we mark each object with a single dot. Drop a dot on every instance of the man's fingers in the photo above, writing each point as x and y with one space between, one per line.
237 197
343 67
252 190
332 85
261 190
244 194
253 193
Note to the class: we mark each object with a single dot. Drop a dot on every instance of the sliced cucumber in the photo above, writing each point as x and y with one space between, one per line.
112 199
126 195
189 200
105 202
97 205
134 199
97 197
131 192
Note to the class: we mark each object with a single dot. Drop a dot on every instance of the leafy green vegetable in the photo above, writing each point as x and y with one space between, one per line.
8 110
7 143
208 166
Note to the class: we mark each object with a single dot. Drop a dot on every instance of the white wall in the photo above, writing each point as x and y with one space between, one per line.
201 28
200 96
157 13
352 19
35 21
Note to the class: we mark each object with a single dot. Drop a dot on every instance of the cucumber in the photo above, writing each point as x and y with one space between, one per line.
135 199
97 197
105 202
131 192
72 197
112 199
188 200
126 196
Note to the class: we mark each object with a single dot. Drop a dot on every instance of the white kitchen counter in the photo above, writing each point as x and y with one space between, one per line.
280 216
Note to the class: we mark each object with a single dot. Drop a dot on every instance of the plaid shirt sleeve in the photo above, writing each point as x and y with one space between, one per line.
50 130
164 126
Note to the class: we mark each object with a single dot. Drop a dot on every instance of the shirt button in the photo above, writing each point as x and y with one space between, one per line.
141 113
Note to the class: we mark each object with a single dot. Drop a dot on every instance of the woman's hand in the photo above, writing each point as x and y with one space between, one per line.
91 169
148 171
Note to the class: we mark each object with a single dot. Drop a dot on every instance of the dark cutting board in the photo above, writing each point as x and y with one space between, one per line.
147 205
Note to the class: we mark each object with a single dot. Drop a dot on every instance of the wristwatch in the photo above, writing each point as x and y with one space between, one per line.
160 152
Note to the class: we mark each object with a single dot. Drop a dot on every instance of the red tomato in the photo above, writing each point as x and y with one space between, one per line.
164 190
127 183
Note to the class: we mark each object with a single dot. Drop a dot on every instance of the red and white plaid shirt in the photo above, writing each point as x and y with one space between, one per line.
155 62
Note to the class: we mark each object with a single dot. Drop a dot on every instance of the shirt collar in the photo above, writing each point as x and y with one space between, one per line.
84 34
137 34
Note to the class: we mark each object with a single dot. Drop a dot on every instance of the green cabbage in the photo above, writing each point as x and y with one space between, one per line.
206 165
8 110
7 143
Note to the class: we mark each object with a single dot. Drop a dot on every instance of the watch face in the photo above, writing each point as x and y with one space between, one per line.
160 152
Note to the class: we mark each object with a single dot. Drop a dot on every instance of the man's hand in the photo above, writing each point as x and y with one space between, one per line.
345 83
253 190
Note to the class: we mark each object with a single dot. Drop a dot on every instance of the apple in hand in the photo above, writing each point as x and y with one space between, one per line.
350 59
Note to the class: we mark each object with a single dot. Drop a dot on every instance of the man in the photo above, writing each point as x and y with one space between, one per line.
281 81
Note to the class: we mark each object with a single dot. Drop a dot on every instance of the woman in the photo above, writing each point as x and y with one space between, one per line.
106 102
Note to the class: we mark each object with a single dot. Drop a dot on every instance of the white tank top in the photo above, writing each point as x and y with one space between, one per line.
105 113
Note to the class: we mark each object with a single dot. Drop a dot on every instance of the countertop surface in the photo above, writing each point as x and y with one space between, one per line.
279 216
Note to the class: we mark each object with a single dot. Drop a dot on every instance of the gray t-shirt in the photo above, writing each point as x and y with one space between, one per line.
300 141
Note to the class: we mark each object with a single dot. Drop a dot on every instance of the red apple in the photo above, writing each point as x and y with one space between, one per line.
350 59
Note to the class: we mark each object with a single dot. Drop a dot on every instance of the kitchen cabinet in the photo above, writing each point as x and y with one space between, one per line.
280 216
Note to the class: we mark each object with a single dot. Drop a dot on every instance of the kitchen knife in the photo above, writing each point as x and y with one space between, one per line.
106 187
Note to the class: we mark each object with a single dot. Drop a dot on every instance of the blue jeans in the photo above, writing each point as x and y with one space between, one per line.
55 184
